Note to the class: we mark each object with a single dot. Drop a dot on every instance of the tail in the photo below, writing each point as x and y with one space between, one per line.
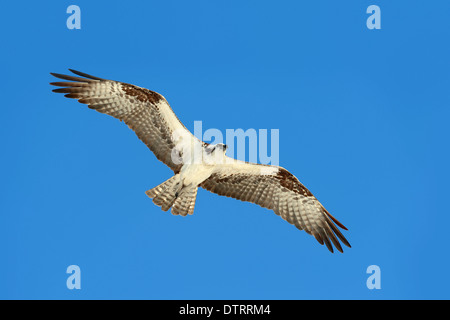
172 194
185 203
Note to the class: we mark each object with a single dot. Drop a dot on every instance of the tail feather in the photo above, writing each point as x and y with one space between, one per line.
185 203
164 195
152 193
164 200
170 195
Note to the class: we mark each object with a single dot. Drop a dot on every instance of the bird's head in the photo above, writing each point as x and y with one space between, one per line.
220 147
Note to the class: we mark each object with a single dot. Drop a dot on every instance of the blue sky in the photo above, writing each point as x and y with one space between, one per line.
363 119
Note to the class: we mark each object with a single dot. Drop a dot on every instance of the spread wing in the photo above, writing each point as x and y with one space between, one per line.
146 112
277 189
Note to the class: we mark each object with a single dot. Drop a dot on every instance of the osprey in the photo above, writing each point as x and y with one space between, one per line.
199 164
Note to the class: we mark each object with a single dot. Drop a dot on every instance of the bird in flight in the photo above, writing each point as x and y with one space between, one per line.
199 164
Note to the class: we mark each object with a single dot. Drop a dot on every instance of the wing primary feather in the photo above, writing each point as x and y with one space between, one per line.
331 236
70 78
326 240
318 237
334 219
337 232
69 84
66 90
85 75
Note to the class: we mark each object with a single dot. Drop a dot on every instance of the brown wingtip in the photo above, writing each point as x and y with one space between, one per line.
79 73
335 220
